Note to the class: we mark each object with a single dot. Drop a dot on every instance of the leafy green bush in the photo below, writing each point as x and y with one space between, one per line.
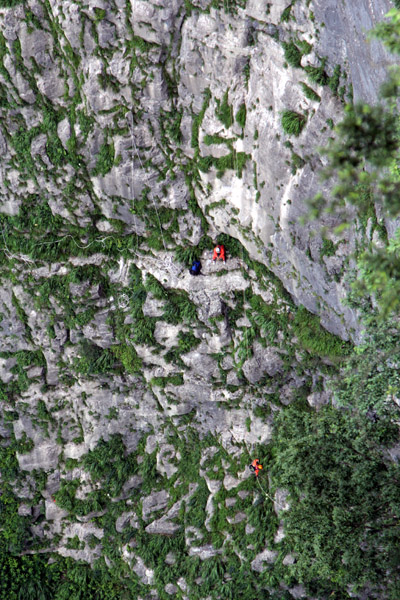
9 3
173 126
24 577
110 464
215 139
344 499
186 254
93 359
228 6
314 338
155 287
292 122
317 74
285 16
179 308
224 111
328 248
105 159
129 358
175 380
198 119
309 93
292 54
334 80
55 150
234 160
297 162
304 46
24 444
143 332
241 115
100 14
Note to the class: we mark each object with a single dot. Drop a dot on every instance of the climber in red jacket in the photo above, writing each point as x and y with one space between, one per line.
255 467
219 252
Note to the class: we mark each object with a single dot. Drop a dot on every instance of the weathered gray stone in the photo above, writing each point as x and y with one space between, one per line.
265 361
318 399
266 556
24 510
6 364
170 559
280 500
54 513
289 560
165 455
163 526
230 482
204 552
280 534
213 484
238 518
249 529
230 502
137 564
170 588
154 502
98 331
126 519
43 456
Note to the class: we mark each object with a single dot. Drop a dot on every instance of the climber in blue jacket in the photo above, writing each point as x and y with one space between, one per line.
195 268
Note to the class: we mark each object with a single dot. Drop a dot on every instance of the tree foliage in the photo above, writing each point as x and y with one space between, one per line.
339 463
343 524
363 169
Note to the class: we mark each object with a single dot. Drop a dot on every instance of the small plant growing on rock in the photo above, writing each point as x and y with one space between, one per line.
285 16
309 93
224 111
292 122
317 74
292 54
334 80
241 115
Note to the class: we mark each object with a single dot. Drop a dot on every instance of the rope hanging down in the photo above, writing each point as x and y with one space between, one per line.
154 204
258 481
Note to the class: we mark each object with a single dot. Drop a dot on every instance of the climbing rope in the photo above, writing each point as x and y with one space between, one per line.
257 479
154 204
264 492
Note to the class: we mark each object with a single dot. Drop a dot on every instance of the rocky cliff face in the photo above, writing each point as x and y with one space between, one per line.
133 135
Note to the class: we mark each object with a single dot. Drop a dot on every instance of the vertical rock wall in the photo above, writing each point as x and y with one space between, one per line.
133 136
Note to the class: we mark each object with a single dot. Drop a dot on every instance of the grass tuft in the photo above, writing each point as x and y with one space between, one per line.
292 122
309 93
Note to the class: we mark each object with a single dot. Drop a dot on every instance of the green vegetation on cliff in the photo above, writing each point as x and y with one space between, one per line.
165 507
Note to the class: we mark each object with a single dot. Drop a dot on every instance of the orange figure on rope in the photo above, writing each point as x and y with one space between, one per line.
219 252
255 467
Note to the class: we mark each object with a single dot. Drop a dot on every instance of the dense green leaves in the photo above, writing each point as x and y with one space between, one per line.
371 379
367 133
363 171
344 519
33 578
389 31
